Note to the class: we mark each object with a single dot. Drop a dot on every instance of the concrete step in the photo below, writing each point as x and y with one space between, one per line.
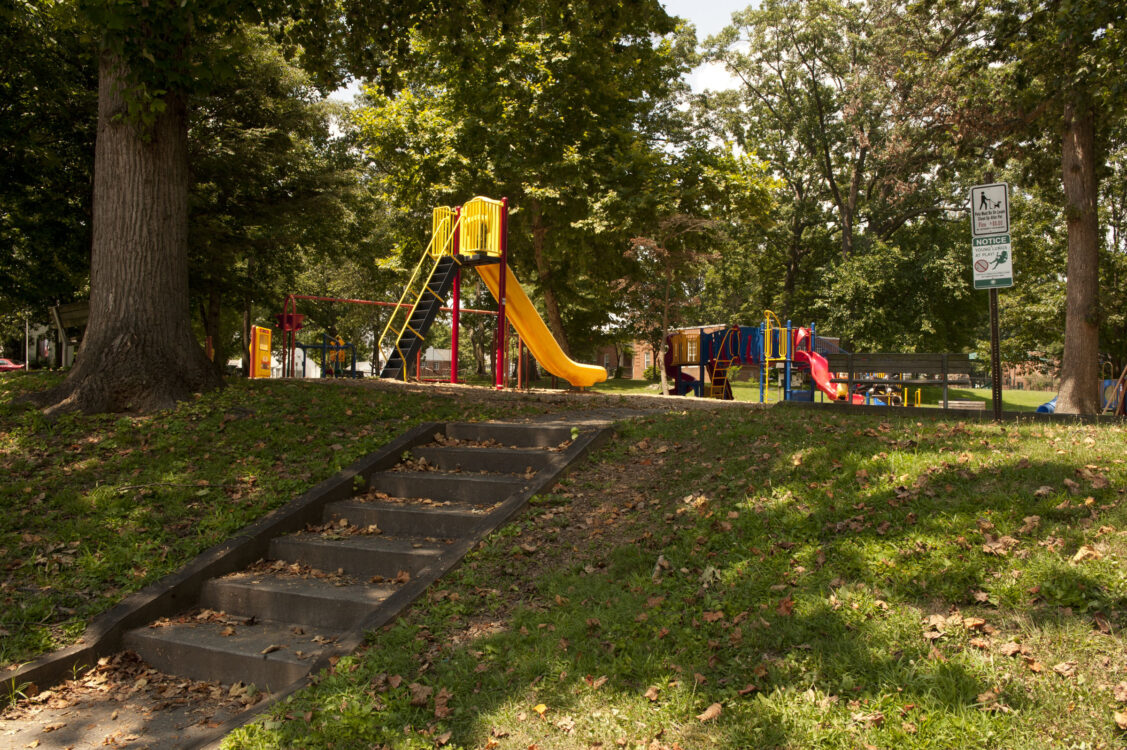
201 651
519 435
470 459
409 519
463 488
361 556
313 602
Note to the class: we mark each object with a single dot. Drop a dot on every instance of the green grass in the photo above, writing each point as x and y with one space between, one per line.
830 582
930 396
834 581
94 508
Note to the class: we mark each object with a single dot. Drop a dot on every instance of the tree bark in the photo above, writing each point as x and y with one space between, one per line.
664 337
544 273
138 354
1080 364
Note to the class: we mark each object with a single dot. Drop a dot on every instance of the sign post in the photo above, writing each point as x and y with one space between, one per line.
992 262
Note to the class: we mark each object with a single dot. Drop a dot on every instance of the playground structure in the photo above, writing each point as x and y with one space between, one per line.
1113 397
770 345
338 357
474 235
873 379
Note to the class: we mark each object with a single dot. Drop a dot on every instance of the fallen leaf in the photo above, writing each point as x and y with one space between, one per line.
786 606
1029 523
540 708
1121 720
395 681
443 738
1065 668
710 713
1086 552
1119 692
1043 491
1011 648
420 694
713 616
652 693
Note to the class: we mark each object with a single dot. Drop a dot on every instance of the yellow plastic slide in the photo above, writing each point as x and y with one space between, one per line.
535 334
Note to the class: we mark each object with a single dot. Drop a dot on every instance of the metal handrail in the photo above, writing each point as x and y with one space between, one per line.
446 234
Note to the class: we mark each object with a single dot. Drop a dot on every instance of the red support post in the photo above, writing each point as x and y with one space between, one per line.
502 320
456 304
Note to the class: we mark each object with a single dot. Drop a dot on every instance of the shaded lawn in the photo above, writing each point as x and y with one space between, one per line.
930 396
93 508
765 579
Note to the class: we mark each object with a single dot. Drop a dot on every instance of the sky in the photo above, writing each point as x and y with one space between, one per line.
709 17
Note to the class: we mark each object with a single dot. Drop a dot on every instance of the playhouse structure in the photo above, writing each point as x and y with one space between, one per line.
770 345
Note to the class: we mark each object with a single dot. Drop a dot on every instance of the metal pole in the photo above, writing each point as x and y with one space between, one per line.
502 321
456 304
995 357
26 339
786 364
763 365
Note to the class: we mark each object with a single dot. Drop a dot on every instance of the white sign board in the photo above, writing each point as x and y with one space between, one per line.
989 210
992 258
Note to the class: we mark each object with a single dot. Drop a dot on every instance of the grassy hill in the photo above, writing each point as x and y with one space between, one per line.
732 578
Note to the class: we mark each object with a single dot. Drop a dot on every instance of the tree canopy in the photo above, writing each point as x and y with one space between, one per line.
830 184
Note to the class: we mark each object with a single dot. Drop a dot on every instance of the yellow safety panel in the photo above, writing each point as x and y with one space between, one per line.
260 352
480 230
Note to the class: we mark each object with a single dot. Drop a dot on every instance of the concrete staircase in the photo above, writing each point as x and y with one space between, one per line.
366 556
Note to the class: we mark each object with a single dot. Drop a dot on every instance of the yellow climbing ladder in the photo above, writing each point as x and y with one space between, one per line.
418 288
718 386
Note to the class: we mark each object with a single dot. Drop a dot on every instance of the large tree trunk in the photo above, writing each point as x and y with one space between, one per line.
138 353
1080 365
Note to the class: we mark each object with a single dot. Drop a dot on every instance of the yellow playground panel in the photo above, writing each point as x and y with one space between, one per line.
686 348
260 352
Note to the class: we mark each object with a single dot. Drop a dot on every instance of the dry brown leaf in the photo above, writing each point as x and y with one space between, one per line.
1121 720
786 606
652 693
1119 692
1065 668
713 616
443 738
1087 552
1012 648
710 713
420 694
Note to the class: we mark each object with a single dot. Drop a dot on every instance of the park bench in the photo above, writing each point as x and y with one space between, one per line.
904 369
972 405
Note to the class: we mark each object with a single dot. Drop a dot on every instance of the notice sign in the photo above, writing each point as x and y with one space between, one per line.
993 262
989 210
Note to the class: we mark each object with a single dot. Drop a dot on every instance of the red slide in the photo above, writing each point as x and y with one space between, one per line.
820 371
